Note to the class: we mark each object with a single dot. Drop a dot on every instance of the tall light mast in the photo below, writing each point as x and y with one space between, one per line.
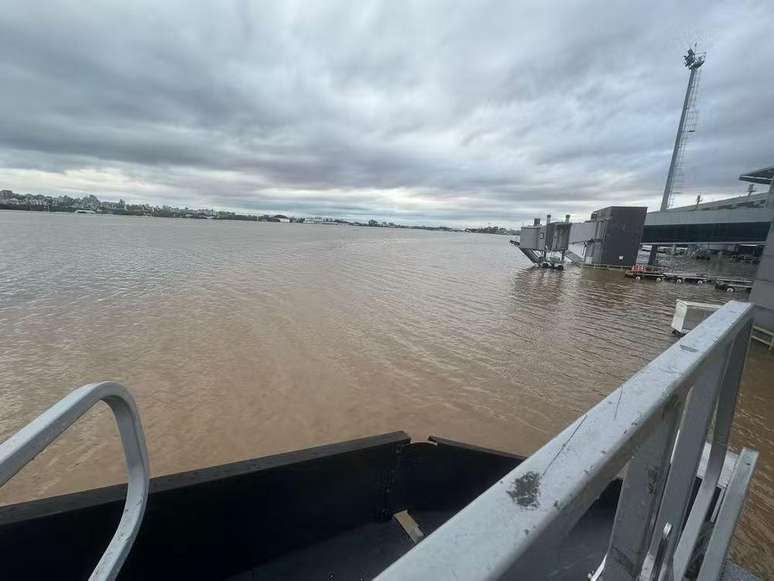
686 126
693 63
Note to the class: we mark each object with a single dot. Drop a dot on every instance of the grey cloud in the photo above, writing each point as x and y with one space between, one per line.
434 111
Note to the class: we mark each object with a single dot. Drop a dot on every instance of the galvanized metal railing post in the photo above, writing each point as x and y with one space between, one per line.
686 457
640 499
724 417
31 440
728 515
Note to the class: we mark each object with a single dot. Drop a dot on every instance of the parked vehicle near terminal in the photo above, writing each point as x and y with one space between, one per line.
731 285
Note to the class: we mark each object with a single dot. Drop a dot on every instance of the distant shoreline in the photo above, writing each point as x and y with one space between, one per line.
245 218
162 214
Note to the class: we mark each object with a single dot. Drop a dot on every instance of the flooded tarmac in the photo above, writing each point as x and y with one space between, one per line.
244 339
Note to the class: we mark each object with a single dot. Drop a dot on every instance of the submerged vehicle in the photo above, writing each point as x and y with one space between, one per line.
629 490
731 285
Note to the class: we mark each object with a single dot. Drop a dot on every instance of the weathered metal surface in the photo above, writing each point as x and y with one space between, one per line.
724 417
764 336
688 314
685 458
533 237
31 440
328 509
511 526
730 510
409 526
640 499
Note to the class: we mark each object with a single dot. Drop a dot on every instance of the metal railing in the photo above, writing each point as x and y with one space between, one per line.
764 336
31 440
654 426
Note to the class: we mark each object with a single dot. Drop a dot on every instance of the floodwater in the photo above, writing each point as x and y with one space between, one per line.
245 339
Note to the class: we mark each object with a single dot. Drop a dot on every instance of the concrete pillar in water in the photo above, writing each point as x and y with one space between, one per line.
652 256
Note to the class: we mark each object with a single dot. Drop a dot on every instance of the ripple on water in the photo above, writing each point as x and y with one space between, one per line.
241 340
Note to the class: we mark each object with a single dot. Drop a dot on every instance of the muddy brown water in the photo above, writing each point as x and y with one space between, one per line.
243 339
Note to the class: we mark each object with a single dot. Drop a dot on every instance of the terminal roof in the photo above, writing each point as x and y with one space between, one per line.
759 176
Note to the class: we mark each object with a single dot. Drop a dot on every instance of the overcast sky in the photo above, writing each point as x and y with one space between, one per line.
436 112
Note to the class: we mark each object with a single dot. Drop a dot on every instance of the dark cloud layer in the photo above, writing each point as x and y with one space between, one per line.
467 112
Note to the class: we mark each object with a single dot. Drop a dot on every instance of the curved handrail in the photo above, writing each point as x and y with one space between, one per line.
31 440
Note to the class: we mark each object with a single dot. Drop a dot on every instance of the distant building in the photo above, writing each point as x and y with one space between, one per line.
90 202
611 236
37 201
